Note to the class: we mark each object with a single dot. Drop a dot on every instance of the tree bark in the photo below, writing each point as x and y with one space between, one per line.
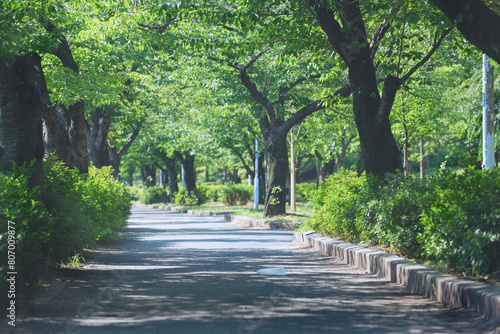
169 163
20 117
75 114
275 203
131 175
187 162
371 111
477 23
97 139
148 174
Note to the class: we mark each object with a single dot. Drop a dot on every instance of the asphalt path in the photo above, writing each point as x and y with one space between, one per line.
175 273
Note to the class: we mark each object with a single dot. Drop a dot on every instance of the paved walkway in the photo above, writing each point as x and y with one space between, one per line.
183 274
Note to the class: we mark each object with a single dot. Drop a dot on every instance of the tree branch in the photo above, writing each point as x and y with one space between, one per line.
284 90
436 45
254 59
133 136
381 32
161 28
313 107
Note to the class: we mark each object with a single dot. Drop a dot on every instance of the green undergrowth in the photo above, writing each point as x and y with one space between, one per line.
50 227
450 219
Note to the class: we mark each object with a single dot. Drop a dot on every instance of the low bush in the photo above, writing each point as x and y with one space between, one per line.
449 218
233 194
73 212
24 225
211 192
336 205
134 192
152 195
461 221
304 191
183 197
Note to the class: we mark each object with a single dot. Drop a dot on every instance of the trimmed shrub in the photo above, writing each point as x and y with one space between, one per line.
449 218
336 205
461 222
134 192
24 224
304 191
151 195
212 192
233 194
183 197
74 212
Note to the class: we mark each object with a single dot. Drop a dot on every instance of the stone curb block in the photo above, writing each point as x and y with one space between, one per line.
451 291
228 217
262 223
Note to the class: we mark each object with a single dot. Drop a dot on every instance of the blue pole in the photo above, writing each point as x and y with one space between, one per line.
183 184
256 180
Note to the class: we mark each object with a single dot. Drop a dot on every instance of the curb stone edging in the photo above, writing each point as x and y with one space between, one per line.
228 217
451 291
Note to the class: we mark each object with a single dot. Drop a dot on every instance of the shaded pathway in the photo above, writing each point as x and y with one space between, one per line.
183 274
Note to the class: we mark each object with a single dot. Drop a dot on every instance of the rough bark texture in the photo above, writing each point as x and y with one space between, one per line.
477 23
97 138
55 135
277 150
75 114
274 129
20 116
171 171
187 162
148 174
371 112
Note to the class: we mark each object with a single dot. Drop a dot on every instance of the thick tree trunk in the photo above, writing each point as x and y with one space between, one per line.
77 136
477 23
97 139
187 162
131 175
55 135
75 114
20 116
169 163
275 203
148 174
379 149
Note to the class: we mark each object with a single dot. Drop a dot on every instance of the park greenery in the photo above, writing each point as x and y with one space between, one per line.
166 100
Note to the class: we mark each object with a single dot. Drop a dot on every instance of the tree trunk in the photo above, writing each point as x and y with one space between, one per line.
378 147
187 162
75 114
275 203
131 175
97 139
477 23
55 135
148 174
371 112
20 117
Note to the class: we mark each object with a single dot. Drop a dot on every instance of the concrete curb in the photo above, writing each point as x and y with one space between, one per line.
451 291
262 223
228 217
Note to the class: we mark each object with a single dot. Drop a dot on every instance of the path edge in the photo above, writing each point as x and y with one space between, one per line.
452 291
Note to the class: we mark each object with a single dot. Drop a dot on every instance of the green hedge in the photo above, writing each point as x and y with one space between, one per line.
304 191
151 195
75 211
233 194
449 218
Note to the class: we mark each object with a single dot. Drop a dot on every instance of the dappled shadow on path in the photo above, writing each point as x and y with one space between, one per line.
199 276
